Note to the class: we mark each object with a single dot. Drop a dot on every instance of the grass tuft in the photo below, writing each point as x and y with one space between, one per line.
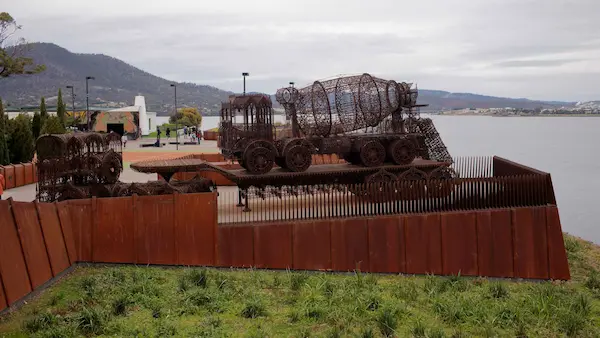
418 330
498 290
197 277
41 321
119 305
254 308
387 322
593 280
366 333
297 280
90 320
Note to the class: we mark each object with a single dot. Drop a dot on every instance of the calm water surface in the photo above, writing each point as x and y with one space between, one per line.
562 146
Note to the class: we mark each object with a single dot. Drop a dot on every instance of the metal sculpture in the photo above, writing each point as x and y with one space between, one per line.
366 120
82 165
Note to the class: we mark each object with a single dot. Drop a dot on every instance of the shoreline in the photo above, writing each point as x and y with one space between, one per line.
538 115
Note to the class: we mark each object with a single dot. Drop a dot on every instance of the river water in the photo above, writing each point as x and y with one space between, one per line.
563 146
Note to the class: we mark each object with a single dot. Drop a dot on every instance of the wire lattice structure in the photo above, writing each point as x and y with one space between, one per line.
348 103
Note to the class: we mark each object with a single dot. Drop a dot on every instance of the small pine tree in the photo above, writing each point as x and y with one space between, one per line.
53 126
20 143
61 108
36 125
43 110
4 155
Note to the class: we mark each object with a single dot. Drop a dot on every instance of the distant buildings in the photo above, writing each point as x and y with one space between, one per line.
134 120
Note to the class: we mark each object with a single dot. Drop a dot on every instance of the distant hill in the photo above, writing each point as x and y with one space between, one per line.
117 83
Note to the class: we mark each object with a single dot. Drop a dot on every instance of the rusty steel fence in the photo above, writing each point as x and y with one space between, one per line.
326 201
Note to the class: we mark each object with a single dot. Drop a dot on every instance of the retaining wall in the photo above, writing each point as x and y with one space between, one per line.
17 175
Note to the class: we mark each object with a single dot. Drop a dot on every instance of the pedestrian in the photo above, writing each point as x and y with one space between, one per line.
124 140
198 135
168 132
2 185
185 132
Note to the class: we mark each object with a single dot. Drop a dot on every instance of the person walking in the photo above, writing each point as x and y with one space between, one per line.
168 132
2 185
124 140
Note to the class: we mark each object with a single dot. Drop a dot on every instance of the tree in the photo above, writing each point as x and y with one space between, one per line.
4 155
61 108
12 59
43 110
20 143
53 126
36 125
188 116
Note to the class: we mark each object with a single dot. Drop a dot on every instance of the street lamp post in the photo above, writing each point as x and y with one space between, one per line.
176 123
72 100
244 75
87 100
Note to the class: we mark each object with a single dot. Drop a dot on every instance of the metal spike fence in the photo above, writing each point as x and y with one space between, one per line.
327 201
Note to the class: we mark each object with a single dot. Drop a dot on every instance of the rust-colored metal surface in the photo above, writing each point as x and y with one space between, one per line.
32 242
196 229
9 176
387 244
64 216
557 260
349 249
81 213
273 246
114 235
13 268
28 167
19 175
236 246
495 243
155 233
423 244
3 303
312 245
530 243
459 243
53 237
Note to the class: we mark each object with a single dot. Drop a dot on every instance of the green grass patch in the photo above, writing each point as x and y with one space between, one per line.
205 302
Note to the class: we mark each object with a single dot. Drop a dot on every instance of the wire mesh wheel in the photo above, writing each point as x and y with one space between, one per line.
402 151
372 154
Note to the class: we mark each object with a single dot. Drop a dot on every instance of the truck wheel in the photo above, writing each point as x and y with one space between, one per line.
372 154
259 160
402 151
298 158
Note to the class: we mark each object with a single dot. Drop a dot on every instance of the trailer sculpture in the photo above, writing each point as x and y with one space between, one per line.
366 120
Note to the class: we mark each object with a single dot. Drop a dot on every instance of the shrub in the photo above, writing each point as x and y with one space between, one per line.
53 125
20 142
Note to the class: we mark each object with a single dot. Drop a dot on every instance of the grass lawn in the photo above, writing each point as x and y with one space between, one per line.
195 302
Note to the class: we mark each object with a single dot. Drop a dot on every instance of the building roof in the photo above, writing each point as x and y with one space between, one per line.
125 109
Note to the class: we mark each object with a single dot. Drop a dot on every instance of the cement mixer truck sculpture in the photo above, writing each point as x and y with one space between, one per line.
368 121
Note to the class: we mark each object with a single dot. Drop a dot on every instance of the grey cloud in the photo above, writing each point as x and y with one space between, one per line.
534 63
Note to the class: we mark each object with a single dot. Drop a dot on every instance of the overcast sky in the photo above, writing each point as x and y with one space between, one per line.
539 49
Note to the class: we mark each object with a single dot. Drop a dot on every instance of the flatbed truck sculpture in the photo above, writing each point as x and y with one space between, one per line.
368 121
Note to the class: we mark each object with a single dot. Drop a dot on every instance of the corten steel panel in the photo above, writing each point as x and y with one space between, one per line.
19 175
349 244
28 167
235 246
53 237
9 176
2 296
495 243
113 231
64 216
386 244
273 246
312 245
196 228
32 242
155 238
81 212
530 243
459 243
423 244
557 255
12 263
